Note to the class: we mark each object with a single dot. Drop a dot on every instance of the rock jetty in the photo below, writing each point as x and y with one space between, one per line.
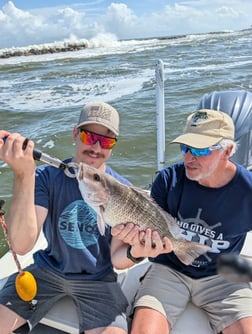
43 49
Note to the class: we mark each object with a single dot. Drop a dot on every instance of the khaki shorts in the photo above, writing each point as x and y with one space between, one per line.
168 291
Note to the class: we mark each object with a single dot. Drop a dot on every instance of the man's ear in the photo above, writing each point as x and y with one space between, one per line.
228 151
75 134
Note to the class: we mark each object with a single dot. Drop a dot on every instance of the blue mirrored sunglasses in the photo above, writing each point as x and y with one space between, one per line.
199 152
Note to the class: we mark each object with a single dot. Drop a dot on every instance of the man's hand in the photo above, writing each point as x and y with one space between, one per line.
13 152
144 243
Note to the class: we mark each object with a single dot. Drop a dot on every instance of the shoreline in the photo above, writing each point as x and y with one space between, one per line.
76 45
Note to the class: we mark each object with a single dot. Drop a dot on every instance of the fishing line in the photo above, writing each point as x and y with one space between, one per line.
25 283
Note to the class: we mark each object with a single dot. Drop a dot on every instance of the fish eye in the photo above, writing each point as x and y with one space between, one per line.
97 177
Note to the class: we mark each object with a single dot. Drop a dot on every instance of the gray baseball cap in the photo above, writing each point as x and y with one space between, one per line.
100 113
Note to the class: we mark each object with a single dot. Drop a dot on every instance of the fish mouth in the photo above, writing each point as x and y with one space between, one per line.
92 199
90 196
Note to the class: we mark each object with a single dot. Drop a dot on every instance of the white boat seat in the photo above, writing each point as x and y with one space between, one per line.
63 316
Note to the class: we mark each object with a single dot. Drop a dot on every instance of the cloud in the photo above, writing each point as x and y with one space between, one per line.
86 20
121 19
18 26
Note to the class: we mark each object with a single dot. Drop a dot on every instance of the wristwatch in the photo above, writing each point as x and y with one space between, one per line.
132 258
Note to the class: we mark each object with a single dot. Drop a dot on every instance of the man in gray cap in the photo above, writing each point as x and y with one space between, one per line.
211 198
76 262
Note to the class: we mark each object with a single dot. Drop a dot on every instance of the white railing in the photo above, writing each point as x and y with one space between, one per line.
160 116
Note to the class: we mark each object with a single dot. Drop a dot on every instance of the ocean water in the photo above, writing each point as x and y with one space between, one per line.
41 96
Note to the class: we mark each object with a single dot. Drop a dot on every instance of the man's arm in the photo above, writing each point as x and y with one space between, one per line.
23 226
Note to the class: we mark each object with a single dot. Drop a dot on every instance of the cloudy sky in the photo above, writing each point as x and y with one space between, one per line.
28 22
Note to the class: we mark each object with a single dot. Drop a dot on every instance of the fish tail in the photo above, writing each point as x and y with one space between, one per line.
188 251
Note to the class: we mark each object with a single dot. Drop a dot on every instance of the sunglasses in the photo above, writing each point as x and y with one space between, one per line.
199 152
90 138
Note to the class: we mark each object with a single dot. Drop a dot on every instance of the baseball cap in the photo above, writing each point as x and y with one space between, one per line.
205 128
100 113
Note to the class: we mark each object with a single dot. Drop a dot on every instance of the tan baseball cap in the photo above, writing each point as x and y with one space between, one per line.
100 113
205 128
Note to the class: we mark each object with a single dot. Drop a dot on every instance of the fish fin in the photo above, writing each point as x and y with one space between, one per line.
100 220
190 251
172 225
142 191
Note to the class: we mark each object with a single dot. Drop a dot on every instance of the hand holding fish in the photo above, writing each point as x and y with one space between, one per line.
144 243
151 244
127 233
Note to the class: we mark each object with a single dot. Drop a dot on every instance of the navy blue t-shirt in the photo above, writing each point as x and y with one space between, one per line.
75 247
217 217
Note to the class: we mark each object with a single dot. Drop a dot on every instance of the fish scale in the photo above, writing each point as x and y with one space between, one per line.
116 203
135 209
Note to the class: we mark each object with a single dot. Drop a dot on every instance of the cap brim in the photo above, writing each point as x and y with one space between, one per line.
99 123
196 140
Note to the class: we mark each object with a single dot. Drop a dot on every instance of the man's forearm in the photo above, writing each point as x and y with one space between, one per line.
21 220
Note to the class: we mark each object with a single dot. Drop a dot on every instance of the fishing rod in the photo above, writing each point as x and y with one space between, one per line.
41 156
234 267
55 162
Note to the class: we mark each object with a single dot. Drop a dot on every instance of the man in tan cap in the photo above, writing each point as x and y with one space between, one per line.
76 262
211 197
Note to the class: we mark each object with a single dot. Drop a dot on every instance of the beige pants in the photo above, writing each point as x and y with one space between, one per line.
169 291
